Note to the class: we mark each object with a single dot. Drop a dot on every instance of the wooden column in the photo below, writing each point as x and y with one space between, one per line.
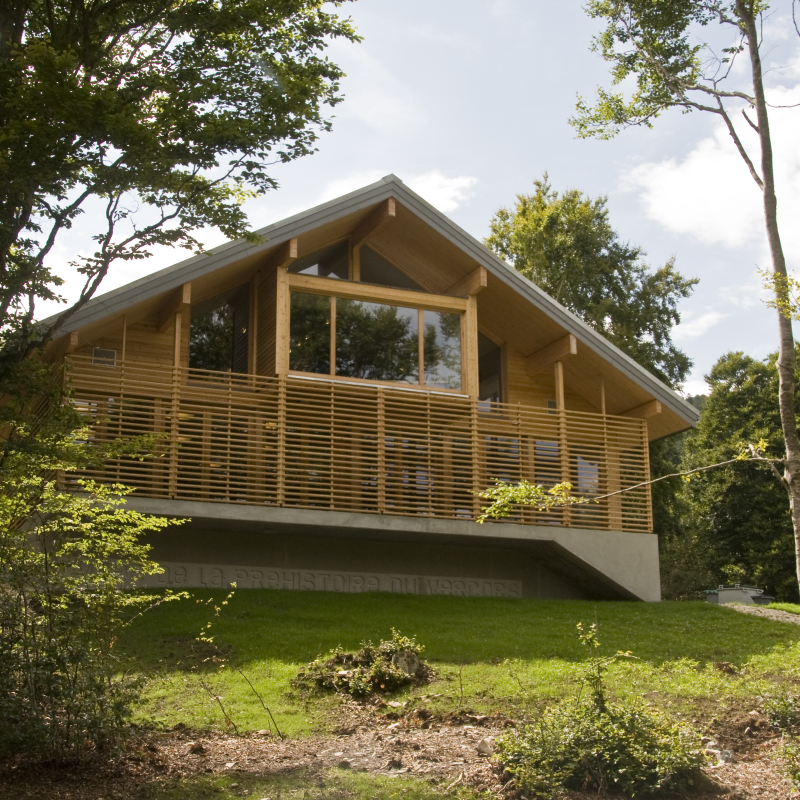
280 498
283 309
470 354
563 443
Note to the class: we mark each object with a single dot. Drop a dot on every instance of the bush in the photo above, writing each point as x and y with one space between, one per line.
66 561
597 745
394 663
782 709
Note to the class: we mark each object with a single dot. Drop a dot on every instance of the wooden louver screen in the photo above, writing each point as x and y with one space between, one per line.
305 443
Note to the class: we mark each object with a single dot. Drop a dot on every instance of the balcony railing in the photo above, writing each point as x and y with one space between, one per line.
323 444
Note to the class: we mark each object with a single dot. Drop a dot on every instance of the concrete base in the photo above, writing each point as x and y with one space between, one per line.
320 549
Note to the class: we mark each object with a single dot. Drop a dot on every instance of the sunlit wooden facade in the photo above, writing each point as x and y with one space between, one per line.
368 358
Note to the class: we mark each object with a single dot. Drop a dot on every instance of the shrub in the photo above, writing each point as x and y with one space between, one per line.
782 709
371 670
594 744
66 561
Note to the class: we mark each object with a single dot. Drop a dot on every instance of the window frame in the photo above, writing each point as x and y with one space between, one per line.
367 292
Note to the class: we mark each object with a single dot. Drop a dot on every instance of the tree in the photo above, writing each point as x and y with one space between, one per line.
653 45
737 526
159 118
565 244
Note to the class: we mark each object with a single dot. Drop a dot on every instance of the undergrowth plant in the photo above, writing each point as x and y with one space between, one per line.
594 743
371 670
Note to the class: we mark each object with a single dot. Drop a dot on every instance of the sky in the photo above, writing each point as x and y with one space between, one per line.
468 101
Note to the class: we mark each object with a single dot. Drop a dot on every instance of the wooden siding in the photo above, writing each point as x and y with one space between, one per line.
326 444
266 326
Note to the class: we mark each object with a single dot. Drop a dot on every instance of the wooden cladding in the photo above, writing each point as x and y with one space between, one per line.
311 443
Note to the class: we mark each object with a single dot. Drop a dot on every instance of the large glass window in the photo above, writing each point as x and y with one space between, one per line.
310 333
375 341
442 349
332 262
218 332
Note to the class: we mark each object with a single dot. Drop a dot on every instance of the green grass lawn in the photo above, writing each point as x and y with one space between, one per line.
490 654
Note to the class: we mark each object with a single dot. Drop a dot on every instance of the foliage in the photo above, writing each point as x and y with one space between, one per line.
782 708
596 744
790 761
656 50
737 520
505 497
369 671
565 244
158 118
65 559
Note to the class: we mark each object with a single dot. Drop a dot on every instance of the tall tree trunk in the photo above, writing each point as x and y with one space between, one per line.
786 353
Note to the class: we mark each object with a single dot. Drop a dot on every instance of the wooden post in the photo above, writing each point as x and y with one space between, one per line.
174 429
563 442
477 477
381 444
470 355
283 310
252 328
355 263
281 456
124 337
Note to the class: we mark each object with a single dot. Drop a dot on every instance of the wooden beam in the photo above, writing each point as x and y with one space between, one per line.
649 409
559 381
64 345
381 215
179 301
557 351
470 285
282 257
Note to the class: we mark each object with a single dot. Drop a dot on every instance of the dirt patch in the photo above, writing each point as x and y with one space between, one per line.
450 749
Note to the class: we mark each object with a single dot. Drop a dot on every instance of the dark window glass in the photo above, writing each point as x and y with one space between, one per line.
332 262
490 370
310 333
376 269
442 349
376 341
218 332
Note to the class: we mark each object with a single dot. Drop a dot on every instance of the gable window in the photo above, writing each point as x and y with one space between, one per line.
376 269
332 262
218 337
375 341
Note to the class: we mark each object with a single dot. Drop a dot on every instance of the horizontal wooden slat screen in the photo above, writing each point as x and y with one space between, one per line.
293 442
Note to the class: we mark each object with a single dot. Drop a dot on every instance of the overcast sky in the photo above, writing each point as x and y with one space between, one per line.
467 101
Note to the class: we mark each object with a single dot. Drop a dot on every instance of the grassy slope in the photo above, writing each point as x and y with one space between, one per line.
512 651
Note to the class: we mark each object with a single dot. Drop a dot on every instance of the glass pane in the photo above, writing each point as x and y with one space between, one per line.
377 341
489 370
332 262
376 269
310 333
218 332
442 349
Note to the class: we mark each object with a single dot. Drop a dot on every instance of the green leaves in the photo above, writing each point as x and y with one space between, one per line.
162 117
565 244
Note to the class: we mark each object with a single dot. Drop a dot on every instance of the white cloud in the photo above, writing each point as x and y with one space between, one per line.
697 325
710 195
445 193
693 387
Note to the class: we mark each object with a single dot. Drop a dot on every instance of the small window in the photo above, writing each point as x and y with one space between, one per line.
332 262
218 338
103 357
376 269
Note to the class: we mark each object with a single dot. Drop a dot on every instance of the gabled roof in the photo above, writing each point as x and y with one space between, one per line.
117 300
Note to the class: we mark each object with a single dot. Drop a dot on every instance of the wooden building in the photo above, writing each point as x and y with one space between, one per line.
328 403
